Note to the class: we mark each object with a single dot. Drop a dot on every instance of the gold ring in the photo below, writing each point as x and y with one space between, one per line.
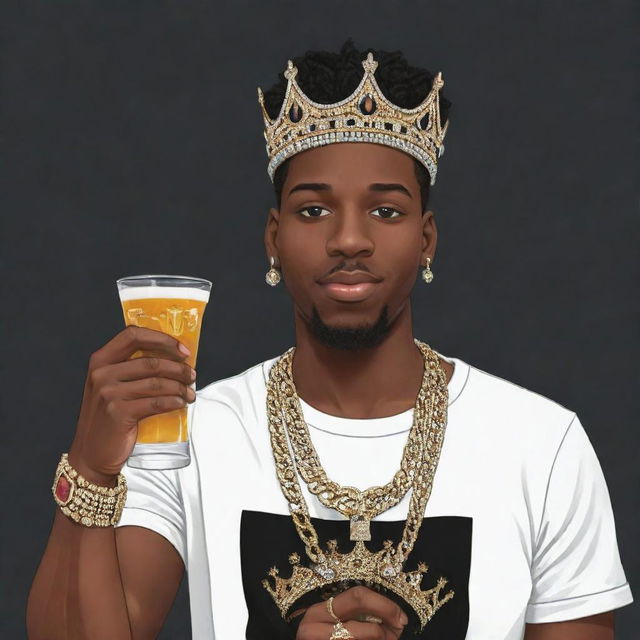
367 617
340 632
331 613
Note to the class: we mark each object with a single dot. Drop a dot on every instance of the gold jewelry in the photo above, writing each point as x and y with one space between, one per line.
330 610
340 632
365 116
383 567
427 274
360 506
361 617
84 502
273 275
367 617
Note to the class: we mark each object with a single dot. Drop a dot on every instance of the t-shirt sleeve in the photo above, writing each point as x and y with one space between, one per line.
154 501
576 569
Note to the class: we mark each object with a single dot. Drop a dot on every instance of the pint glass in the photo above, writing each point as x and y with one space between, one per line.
174 305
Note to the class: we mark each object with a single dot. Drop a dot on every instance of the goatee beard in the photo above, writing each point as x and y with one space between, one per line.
351 338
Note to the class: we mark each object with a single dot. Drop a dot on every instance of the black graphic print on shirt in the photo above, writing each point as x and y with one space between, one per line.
444 544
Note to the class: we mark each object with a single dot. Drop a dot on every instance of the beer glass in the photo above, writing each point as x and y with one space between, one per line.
174 305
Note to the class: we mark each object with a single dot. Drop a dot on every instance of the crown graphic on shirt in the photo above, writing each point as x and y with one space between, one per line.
382 568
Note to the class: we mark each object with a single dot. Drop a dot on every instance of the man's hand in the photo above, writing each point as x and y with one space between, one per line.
350 607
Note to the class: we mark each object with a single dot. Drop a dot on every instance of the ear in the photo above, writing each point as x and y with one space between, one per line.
429 237
271 235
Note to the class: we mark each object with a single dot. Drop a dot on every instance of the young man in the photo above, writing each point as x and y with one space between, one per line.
491 497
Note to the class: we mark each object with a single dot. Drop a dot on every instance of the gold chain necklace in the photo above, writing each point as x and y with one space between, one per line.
384 567
359 506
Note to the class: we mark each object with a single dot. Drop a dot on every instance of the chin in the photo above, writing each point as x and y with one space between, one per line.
352 336
349 319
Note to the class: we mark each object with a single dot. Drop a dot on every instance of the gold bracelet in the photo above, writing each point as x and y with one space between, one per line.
86 503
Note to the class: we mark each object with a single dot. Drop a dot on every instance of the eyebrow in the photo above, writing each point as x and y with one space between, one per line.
376 186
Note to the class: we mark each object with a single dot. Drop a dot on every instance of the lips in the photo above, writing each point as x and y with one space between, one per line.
353 286
349 277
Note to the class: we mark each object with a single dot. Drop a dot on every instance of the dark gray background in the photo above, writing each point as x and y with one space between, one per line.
134 144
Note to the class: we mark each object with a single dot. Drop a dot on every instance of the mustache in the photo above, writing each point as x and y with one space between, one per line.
348 267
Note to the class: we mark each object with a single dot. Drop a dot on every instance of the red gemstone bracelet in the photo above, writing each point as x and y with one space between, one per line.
86 503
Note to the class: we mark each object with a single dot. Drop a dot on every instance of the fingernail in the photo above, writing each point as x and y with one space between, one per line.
193 374
403 618
184 350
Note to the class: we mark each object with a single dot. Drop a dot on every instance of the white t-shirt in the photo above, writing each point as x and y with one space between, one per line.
519 520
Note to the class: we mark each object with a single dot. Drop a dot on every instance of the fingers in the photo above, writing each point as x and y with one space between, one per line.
359 630
359 601
352 606
145 407
148 388
140 368
133 339
365 630
129 390
367 617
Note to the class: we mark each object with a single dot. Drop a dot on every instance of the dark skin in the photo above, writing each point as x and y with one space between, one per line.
344 225
371 383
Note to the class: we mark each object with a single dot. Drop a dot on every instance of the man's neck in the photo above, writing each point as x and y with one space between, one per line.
368 383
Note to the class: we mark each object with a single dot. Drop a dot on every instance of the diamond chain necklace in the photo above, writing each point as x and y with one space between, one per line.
430 418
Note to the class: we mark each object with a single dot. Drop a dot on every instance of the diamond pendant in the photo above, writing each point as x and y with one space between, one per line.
360 529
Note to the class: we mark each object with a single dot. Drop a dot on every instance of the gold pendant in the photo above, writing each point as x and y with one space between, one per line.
360 529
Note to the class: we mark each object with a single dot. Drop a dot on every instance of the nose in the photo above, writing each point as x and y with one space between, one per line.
350 234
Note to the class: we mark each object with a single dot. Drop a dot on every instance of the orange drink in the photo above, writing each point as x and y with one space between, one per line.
174 305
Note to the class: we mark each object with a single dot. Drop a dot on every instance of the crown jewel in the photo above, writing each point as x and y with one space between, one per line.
364 116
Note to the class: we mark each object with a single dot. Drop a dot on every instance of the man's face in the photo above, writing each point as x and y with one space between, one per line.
334 231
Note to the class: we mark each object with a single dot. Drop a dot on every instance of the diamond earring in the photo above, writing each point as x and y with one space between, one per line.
427 274
273 275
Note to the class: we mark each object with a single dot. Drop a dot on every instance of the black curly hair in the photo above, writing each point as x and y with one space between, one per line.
328 77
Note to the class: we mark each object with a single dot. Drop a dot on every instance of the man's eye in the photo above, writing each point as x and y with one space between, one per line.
389 211
314 214
386 213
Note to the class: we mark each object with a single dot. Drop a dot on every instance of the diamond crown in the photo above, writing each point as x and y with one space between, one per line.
383 567
364 116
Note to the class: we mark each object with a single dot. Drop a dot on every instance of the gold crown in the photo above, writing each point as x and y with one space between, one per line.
365 116
383 568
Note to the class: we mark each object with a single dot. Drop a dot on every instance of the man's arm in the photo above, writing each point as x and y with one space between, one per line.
151 571
101 583
95 583
77 591
599 627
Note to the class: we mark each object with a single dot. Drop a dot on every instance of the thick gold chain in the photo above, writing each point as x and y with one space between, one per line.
430 418
349 501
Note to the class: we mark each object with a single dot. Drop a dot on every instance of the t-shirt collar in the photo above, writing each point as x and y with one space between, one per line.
377 427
